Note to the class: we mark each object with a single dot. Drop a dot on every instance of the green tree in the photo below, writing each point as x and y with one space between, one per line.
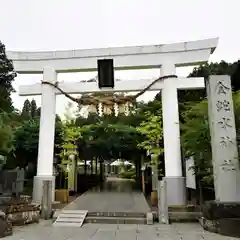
152 131
8 117
205 70
26 142
30 110
33 109
6 135
70 135
26 110
38 113
196 140
7 75
26 138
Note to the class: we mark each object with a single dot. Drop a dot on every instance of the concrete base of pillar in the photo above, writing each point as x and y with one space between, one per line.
38 187
176 191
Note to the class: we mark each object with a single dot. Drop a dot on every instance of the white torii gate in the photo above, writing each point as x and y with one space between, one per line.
166 57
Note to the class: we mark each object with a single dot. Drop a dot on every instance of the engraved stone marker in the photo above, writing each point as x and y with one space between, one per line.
223 138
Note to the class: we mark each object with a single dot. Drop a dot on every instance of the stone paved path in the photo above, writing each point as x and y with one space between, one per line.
45 231
117 195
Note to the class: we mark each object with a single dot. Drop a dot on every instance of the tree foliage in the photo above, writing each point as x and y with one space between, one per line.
30 110
7 113
7 75
6 136
196 141
70 135
205 70
108 139
151 129
26 141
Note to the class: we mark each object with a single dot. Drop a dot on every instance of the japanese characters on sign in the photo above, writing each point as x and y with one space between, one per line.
228 165
225 141
221 88
223 105
225 121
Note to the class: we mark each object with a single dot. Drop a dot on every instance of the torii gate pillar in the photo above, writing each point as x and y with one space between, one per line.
46 136
176 185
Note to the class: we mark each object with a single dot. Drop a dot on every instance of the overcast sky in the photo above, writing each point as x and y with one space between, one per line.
78 24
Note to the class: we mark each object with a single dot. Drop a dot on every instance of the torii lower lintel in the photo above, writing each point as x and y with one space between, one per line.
120 86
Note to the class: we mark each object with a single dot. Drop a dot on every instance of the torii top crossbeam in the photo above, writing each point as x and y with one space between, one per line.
139 57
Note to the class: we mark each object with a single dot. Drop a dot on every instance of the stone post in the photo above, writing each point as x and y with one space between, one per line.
96 165
101 170
154 197
71 173
47 199
162 202
20 181
85 167
223 138
76 175
92 166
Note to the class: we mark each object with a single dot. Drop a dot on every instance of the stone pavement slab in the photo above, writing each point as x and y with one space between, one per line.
178 231
116 195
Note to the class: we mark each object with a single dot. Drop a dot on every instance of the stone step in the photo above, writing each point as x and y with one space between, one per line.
184 208
101 217
181 216
115 220
70 218
118 214
184 216
107 214
68 224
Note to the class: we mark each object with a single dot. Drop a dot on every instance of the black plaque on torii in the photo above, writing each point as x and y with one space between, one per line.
105 73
